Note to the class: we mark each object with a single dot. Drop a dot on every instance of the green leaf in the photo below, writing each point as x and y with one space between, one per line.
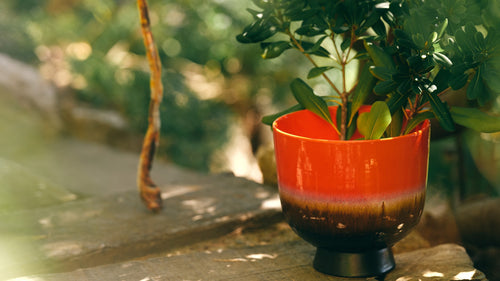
416 88
296 12
432 37
480 41
256 14
394 129
404 87
470 32
476 119
385 87
382 73
404 39
366 82
419 40
345 44
379 28
396 102
442 59
461 39
257 31
421 64
316 47
274 49
475 87
441 80
373 124
317 71
491 73
313 49
458 81
373 18
442 28
379 56
407 43
441 112
417 119
486 96
306 97
362 56
309 30
351 129
269 119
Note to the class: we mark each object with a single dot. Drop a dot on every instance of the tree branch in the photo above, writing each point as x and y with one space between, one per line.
149 192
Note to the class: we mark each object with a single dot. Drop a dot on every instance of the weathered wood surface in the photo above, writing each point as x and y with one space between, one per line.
67 204
113 228
289 261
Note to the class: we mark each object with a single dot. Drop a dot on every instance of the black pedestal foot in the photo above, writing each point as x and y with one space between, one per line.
373 263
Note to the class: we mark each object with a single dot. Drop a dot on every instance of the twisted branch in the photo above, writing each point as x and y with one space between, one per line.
149 192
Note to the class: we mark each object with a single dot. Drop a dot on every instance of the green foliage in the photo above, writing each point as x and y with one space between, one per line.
430 48
396 125
306 97
200 127
476 119
14 41
363 89
420 117
373 124
188 33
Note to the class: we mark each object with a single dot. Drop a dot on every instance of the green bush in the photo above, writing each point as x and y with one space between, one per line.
111 73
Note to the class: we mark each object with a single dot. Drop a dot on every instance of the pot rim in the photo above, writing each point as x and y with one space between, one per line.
418 130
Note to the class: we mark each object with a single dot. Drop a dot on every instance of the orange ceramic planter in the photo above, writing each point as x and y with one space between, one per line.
351 199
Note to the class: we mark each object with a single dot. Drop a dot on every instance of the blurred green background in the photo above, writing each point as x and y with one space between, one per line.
215 88
93 51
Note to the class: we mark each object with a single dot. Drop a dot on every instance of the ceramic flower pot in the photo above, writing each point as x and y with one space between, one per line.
354 199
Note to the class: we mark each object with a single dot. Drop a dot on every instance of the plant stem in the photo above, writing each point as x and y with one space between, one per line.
414 108
342 59
342 95
301 49
343 126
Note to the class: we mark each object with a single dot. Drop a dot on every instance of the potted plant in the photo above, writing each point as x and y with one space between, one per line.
352 165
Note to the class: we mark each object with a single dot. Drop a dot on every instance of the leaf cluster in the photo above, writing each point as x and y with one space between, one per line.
412 53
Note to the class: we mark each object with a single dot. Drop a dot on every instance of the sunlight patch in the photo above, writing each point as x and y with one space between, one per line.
179 190
62 249
261 256
27 279
429 273
271 204
465 275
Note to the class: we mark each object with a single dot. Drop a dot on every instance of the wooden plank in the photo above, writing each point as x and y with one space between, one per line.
110 229
287 261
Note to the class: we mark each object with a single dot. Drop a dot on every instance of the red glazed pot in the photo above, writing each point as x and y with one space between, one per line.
351 199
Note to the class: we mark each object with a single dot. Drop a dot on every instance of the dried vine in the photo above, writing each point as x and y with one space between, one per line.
149 192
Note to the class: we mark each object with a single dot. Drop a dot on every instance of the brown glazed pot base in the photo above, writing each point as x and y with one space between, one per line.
352 226
353 239
370 263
